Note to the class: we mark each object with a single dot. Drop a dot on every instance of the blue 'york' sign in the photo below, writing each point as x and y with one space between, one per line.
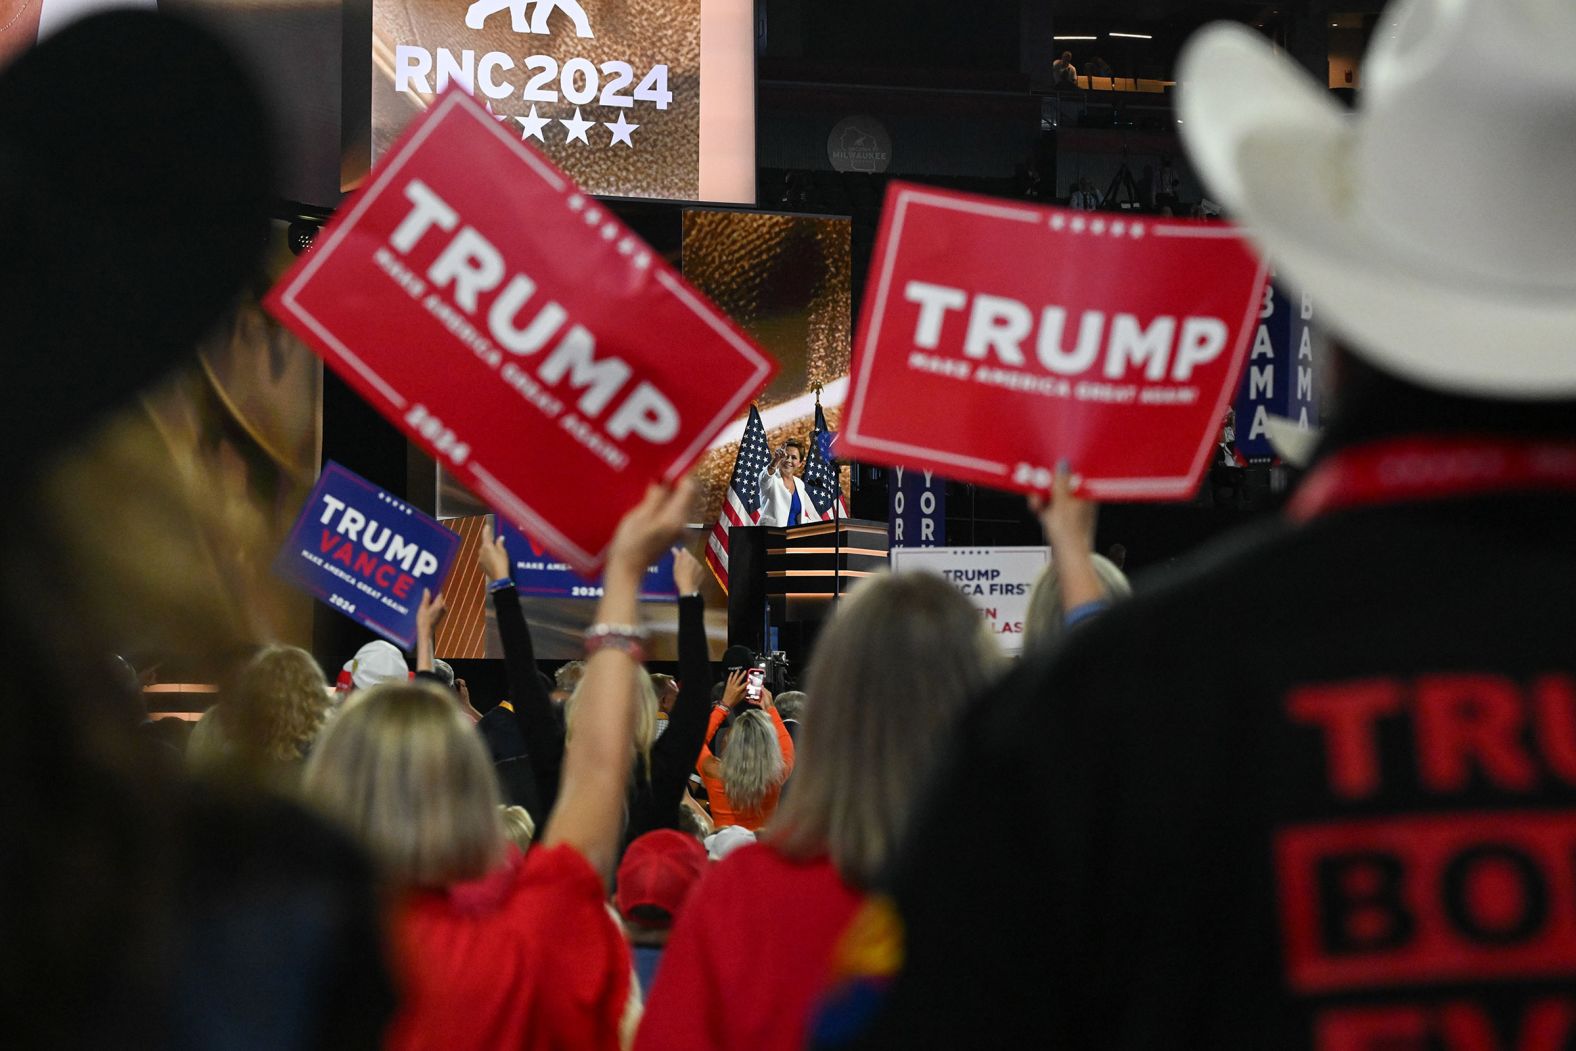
917 509
367 553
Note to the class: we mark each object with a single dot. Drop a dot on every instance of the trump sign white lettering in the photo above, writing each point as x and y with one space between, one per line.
518 331
469 267
1112 341
1000 325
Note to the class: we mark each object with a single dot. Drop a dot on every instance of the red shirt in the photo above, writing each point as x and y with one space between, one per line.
525 957
749 955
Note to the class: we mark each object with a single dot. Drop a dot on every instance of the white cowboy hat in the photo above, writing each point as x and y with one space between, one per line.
1434 224
1291 441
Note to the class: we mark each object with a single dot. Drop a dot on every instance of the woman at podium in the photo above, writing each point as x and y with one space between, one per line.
784 499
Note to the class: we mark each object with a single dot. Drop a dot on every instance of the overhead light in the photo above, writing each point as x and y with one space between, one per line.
1073 38
1132 36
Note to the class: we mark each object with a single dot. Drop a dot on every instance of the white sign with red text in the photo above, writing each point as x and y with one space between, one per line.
997 580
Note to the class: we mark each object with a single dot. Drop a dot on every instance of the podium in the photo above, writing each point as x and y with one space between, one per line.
790 578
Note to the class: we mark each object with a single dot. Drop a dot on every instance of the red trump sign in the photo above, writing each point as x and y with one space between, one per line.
1000 338
518 331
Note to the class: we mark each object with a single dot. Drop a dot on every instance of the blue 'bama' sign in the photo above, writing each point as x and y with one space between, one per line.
1280 376
367 553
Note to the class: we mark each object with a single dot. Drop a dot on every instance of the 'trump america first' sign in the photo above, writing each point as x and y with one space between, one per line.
517 331
367 553
1000 338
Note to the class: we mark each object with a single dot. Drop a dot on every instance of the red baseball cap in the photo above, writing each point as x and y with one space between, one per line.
658 872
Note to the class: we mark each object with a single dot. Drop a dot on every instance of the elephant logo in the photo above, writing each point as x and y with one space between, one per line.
479 11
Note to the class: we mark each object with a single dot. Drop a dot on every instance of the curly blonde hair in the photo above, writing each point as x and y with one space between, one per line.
278 705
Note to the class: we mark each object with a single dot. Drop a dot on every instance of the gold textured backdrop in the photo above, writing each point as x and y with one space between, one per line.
787 281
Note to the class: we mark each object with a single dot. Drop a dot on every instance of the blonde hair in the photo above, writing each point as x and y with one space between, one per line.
568 676
279 704
645 717
518 826
892 673
1042 626
752 764
406 774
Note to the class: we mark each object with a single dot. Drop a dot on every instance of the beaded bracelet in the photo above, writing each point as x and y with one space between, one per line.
628 638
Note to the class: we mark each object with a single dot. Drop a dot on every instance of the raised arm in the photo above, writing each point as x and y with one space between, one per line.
784 738
539 725
674 754
1069 522
428 614
597 762
764 480
706 764
732 693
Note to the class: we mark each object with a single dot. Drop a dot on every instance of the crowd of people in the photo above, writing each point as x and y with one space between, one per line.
633 917
1354 834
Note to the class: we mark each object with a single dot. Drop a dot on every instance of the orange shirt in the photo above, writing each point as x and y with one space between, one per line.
709 767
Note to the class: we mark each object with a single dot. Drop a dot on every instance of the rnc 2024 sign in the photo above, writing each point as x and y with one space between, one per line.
629 100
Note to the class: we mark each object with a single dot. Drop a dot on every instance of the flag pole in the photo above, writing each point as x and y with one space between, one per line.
837 524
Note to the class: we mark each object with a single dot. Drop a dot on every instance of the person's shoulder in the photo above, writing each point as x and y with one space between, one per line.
750 860
262 835
753 863
1169 631
559 870
763 861
768 872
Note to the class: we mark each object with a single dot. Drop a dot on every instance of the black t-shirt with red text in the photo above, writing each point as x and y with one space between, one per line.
1319 792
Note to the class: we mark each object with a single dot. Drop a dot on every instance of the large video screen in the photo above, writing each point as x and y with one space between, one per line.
631 100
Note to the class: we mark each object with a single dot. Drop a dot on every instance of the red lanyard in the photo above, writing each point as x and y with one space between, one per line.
1408 470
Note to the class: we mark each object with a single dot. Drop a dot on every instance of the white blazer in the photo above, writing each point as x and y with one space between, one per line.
776 500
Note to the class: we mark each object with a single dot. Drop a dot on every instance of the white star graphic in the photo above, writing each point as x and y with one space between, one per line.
621 129
577 128
533 125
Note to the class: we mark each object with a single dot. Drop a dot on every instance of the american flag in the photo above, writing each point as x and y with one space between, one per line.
820 476
742 505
